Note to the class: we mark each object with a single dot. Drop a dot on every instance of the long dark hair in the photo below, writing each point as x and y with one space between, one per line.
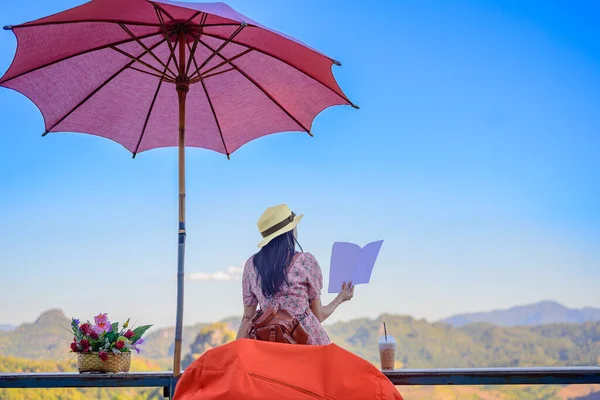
272 260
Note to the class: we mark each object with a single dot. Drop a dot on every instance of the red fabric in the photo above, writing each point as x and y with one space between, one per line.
248 369
66 65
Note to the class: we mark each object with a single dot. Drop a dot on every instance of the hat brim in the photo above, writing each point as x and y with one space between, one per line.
283 230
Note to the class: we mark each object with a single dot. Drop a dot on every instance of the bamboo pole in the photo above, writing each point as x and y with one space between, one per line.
182 86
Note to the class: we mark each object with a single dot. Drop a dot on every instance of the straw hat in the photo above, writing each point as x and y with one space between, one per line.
276 221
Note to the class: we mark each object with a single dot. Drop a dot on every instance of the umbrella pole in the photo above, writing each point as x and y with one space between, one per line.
182 85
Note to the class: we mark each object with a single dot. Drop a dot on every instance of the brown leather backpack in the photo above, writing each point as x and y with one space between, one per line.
275 324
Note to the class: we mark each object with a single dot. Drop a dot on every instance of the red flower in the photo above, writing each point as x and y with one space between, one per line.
74 347
129 334
86 329
103 355
120 344
93 335
85 345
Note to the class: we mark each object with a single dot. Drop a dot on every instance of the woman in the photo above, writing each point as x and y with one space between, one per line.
277 274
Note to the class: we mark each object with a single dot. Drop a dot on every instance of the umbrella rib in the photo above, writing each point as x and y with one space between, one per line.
212 108
190 19
156 6
106 82
249 78
105 46
137 59
145 47
165 32
221 47
164 78
198 79
192 57
150 111
285 62
108 21
206 73
193 49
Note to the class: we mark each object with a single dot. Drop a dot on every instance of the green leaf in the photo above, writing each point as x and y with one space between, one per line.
115 327
110 336
138 332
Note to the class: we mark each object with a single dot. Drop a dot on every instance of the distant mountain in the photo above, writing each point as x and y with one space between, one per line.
420 345
208 338
159 344
7 328
437 345
545 312
47 338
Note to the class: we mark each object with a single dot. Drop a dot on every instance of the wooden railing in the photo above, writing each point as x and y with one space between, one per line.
477 376
38 380
495 376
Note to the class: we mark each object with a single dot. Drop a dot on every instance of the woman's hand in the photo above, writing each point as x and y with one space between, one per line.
347 292
323 312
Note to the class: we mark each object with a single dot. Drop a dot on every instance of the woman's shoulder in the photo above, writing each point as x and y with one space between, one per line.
306 259
249 265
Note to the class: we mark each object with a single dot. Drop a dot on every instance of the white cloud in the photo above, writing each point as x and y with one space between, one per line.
229 274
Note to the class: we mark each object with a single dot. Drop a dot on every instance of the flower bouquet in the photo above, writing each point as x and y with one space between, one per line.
102 347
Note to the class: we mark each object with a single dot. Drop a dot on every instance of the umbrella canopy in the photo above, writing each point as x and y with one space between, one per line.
109 67
134 71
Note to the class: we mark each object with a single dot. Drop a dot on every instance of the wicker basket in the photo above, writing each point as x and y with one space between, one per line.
91 362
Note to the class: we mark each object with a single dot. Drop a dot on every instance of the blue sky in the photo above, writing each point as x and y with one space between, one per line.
475 156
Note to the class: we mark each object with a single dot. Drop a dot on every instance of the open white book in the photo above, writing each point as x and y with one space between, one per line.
351 263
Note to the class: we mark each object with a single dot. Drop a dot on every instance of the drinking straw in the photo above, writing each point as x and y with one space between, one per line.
385 331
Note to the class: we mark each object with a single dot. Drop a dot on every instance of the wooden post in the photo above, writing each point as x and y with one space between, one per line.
182 86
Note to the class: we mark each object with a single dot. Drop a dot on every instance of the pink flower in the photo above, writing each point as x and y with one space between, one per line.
129 334
103 355
120 344
102 324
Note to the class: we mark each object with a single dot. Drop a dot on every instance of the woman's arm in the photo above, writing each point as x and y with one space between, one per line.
249 312
323 312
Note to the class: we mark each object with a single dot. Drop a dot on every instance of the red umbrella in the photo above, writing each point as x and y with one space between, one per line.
131 71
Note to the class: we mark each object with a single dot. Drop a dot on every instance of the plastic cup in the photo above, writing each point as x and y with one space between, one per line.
387 352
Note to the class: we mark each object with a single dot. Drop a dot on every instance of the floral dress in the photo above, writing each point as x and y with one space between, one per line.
305 283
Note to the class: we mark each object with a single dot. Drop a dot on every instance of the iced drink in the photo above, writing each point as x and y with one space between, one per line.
387 352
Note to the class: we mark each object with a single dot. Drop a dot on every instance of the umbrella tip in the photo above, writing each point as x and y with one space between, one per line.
45 133
228 156
355 106
134 154
336 62
7 27
310 134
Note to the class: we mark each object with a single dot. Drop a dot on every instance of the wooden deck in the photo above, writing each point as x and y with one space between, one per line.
404 377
